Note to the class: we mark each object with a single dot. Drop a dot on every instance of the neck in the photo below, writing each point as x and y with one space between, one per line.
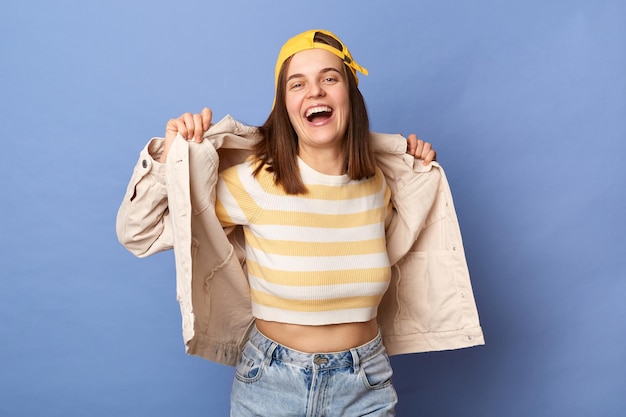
325 161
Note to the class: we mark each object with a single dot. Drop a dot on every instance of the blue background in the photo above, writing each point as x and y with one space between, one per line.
525 102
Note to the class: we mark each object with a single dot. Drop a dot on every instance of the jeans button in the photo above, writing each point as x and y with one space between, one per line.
320 360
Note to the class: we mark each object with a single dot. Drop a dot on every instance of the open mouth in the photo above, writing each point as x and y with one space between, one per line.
318 114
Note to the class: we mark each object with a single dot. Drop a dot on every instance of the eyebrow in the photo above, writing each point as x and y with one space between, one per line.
322 71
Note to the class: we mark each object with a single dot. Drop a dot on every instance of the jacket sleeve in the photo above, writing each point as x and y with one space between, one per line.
143 225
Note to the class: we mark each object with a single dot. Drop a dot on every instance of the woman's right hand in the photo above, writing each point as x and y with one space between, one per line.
190 126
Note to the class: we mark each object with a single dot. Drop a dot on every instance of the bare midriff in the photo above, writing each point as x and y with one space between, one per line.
319 339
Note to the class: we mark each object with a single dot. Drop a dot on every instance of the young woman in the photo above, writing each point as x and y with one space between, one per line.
315 211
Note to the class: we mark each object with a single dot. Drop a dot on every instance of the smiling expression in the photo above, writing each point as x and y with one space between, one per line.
317 100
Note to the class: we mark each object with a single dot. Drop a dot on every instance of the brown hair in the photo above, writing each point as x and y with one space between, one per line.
278 150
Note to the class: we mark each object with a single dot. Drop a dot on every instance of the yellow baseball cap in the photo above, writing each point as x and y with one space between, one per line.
310 40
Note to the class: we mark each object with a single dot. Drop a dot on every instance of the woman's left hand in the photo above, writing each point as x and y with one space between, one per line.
420 149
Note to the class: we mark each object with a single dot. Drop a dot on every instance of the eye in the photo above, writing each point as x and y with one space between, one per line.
296 85
330 80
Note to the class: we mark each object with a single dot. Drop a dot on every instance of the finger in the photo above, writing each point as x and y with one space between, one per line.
187 119
411 144
424 150
207 115
171 127
171 130
430 157
197 131
175 126
419 149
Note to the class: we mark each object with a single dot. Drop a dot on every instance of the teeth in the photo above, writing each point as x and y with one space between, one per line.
318 109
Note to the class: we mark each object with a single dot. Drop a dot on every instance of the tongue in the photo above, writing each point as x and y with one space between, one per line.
318 117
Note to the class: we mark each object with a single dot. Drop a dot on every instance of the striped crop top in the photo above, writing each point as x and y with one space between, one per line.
312 259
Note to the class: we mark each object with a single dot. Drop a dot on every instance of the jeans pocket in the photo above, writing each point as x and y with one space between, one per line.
251 363
376 373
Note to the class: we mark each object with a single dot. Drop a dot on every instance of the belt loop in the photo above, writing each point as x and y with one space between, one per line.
356 362
269 353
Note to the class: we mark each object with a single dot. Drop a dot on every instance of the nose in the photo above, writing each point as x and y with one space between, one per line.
316 90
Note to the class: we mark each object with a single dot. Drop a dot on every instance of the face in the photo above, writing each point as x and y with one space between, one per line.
317 100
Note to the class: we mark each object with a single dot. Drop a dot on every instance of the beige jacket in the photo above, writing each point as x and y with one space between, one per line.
429 304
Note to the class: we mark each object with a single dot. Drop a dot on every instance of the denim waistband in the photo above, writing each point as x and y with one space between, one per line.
348 358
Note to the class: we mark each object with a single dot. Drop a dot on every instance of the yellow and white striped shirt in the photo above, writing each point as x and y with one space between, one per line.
313 259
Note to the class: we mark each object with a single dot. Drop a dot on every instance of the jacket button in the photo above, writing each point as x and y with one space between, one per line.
144 163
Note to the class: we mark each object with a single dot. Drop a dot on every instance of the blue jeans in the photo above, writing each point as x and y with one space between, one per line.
273 381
